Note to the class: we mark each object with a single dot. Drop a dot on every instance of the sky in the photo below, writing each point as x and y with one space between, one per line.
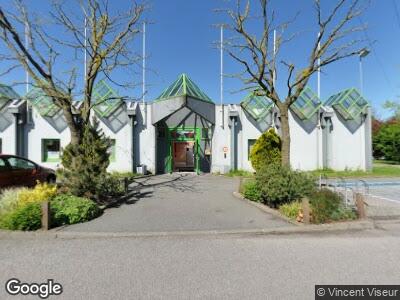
181 38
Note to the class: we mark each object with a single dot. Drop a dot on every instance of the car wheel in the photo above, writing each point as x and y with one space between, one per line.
51 179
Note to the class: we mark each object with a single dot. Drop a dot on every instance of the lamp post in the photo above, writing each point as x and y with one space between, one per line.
363 53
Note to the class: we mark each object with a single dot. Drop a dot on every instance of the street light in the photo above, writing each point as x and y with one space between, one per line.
363 53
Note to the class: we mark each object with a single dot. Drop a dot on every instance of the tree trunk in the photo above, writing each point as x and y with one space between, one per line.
74 128
285 135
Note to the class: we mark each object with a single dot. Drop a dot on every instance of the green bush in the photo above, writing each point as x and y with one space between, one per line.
242 173
327 205
387 142
69 209
110 186
290 210
9 199
85 164
266 150
26 217
252 191
280 184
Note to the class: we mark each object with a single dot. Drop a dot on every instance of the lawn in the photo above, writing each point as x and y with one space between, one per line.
380 169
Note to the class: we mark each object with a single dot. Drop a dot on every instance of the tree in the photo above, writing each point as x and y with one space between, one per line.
387 142
394 107
108 49
254 51
266 150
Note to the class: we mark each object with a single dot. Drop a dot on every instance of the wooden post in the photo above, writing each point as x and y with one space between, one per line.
306 210
126 184
240 189
46 215
360 206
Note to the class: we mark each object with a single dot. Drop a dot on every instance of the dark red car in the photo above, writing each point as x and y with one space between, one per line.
19 171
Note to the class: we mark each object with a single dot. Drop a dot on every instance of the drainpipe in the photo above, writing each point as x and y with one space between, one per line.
133 123
233 125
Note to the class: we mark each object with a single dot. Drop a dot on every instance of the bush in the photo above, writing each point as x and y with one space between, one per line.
69 209
252 191
26 217
291 210
110 186
85 164
387 142
266 150
9 199
328 206
242 173
280 184
41 192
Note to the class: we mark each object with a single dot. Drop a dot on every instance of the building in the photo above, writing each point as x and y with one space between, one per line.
184 130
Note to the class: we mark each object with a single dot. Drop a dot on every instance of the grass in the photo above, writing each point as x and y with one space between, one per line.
242 173
122 175
379 170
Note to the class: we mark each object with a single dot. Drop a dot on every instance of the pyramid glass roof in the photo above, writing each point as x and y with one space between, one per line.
184 86
257 106
43 103
6 94
306 105
108 100
348 103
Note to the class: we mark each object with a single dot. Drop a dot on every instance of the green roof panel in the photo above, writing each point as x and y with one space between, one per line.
6 94
183 86
348 103
257 106
306 105
108 100
42 103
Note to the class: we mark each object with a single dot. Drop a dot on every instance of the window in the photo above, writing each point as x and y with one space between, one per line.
3 166
50 150
111 151
206 133
250 144
19 163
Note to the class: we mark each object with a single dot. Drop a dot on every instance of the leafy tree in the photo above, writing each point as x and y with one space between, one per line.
394 107
387 142
251 45
266 150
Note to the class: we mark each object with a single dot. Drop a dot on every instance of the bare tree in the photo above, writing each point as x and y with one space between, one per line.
254 51
46 58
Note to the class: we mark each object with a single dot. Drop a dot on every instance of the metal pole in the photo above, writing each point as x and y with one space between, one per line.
273 74
85 52
319 70
361 77
222 74
144 63
26 46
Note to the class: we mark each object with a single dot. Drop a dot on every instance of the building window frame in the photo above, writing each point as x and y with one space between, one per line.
55 153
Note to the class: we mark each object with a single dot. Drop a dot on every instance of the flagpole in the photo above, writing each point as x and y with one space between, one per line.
144 73
222 73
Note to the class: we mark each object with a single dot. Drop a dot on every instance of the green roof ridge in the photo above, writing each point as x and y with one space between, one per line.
183 86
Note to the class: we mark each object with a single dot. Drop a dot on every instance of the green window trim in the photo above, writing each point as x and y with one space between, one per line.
53 156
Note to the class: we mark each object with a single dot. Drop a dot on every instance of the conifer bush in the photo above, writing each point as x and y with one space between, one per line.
85 164
266 150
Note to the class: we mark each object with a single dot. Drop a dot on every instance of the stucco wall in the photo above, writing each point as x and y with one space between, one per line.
8 134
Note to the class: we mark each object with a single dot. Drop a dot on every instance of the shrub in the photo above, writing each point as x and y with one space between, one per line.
69 209
252 191
85 164
387 142
280 184
41 192
328 206
122 175
26 217
243 173
9 199
110 186
266 150
291 210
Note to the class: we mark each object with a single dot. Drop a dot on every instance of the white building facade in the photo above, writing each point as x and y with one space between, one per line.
183 130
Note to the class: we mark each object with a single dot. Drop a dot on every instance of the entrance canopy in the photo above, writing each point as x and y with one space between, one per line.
183 93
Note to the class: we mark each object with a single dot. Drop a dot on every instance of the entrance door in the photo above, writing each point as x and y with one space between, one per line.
183 156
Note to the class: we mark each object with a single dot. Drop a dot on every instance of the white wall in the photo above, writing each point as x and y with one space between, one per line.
147 139
347 149
221 138
8 137
41 129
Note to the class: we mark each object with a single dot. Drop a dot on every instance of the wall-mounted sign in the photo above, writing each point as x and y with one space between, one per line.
225 149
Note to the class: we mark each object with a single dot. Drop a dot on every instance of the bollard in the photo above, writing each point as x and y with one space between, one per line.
126 184
360 206
306 210
46 215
